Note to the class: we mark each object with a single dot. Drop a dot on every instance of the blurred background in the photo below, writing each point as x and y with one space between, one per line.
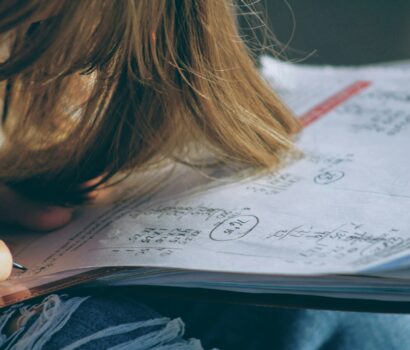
340 32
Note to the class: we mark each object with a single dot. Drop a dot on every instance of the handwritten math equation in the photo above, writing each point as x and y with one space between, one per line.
341 242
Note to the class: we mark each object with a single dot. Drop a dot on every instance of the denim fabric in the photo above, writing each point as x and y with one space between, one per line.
239 326
98 322
62 322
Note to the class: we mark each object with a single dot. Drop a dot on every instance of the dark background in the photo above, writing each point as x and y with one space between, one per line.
341 32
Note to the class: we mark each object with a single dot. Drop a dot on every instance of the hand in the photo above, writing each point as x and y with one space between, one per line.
6 261
9 291
17 210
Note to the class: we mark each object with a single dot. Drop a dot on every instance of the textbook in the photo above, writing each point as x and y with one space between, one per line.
332 222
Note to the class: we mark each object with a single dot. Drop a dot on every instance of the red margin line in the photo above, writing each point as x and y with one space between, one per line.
332 102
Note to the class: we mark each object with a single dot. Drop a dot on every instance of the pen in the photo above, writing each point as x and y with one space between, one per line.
19 266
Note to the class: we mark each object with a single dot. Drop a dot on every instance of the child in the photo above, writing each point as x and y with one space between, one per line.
97 88
94 88
100 87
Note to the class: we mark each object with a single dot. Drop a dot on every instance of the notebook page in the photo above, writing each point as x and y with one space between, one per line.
343 208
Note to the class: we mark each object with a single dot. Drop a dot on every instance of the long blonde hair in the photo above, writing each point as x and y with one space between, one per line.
97 87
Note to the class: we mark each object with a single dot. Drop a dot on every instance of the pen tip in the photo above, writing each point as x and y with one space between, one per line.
19 266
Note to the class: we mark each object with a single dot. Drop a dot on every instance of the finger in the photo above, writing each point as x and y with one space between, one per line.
6 261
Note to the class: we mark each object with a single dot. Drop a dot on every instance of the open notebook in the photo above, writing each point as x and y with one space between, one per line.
335 222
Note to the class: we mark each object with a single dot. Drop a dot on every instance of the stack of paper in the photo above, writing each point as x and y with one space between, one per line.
334 223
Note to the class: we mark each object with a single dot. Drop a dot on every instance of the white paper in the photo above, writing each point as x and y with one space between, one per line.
343 208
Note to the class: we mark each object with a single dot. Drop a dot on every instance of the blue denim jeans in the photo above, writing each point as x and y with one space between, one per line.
64 322
100 322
